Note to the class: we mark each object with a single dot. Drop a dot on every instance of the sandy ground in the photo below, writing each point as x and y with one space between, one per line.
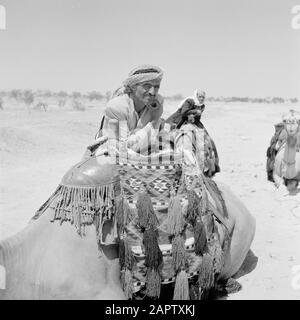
37 148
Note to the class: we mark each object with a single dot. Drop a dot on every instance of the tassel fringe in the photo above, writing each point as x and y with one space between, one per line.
127 283
146 214
81 206
179 255
181 291
206 274
153 283
123 214
200 238
126 257
154 257
193 209
175 222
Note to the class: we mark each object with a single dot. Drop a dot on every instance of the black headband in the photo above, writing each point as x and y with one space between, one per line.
145 71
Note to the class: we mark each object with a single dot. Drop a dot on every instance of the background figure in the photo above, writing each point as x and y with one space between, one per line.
278 140
190 111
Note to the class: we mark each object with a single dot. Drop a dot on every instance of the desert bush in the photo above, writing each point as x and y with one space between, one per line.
108 95
16 94
76 95
1 104
77 105
294 100
62 94
28 98
94 95
277 100
41 105
62 102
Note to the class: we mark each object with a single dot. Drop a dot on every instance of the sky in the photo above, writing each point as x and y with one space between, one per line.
225 47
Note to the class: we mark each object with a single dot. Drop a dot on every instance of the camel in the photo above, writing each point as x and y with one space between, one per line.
51 261
287 161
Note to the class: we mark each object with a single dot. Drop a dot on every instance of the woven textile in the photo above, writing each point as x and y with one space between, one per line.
162 183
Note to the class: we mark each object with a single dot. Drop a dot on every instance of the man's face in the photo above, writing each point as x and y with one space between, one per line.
201 98
147 91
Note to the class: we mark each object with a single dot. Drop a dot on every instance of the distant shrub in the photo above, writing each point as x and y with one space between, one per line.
28 98
62 94
277 100
62 102
41 106
94 95
1 104
16 94
108 95
76 95
294 100
77 105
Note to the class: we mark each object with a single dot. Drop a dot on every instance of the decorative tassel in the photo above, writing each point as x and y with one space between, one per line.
179 255
153 283
154 257
175 221
146 215
209 223
193 207
206 275
218 258
80 205
126 257
148 223
194 292
123 214
127 283
181 290
200 238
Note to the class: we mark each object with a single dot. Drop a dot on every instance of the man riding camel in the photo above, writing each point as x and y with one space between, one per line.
135 108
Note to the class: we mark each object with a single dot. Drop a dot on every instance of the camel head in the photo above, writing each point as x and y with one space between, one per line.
291 122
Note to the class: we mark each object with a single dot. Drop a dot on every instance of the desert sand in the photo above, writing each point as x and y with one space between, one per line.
38 147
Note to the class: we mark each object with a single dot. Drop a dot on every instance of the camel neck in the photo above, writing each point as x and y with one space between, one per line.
289 157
